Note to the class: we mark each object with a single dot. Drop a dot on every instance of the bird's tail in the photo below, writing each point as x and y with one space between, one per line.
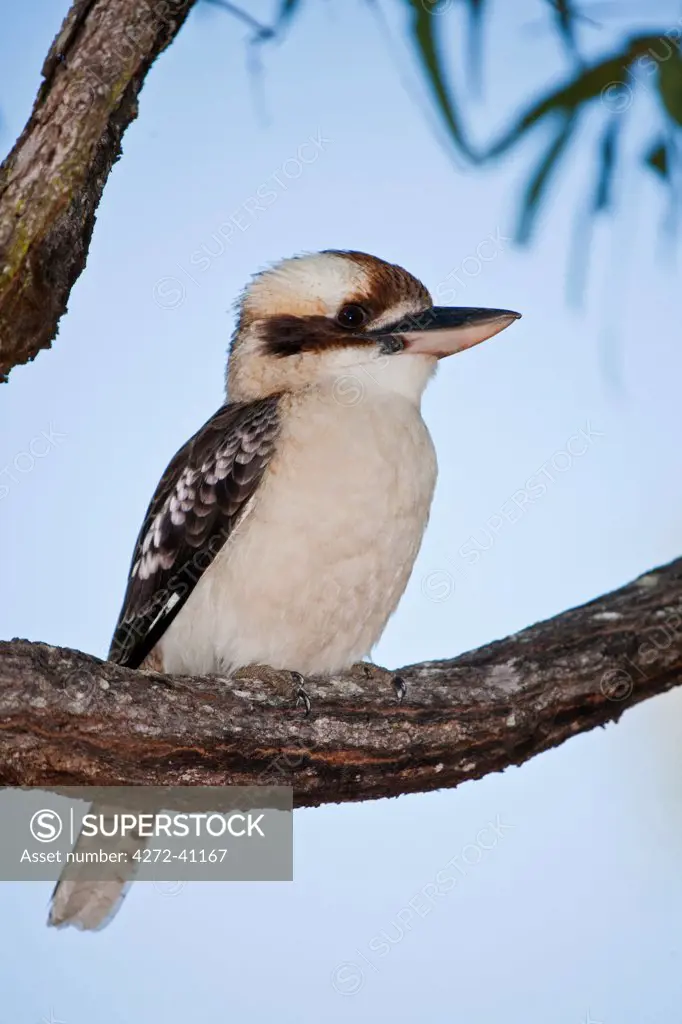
87 895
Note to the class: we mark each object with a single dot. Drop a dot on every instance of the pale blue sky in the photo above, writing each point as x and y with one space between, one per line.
578 907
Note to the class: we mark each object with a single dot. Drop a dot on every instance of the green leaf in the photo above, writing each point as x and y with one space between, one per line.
475 40
670 85
607 163
424 29
587 85
287 9
565 17
657 158
537 185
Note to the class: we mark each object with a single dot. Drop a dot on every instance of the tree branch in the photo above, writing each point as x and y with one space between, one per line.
52 181
68 718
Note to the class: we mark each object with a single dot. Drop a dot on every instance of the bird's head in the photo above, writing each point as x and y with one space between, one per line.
319 319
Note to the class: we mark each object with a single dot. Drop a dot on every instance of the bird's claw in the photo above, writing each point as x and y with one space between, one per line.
302 697
399 687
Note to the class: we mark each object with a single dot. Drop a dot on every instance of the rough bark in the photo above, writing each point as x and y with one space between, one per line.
67 718
52 181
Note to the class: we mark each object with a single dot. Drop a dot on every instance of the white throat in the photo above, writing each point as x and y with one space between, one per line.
399 374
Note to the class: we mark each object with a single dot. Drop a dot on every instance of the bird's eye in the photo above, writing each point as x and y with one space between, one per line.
351 317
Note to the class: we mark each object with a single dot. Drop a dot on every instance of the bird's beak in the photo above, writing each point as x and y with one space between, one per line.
443 330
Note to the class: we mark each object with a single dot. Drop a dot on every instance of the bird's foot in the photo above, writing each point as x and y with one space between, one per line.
279 681
302 696
368 669
400 688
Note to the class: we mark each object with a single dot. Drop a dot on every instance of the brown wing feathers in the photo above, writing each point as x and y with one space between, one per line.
198 502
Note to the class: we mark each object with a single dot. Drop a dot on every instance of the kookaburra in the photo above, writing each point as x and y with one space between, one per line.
284 532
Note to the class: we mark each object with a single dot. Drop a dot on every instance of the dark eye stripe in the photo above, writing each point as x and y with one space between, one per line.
291 335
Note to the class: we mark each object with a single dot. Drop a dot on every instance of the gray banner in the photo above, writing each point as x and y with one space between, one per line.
150 833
